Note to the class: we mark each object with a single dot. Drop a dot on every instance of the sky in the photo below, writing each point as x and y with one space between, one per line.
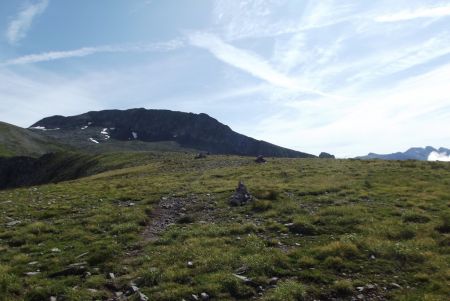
347 77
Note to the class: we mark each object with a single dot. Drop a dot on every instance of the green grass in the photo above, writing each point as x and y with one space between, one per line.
323 227
16 141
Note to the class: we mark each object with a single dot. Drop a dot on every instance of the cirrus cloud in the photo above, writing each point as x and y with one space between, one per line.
19 26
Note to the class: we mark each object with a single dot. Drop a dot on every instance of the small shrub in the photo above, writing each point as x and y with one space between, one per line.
422 277
275 226
151 277
9 284
339 249
237 289
405 254
413 217
266 195
302 226
287 291
102 254
124 228
333 262
444 226
307 262
402 234
343 288
40 227
261 205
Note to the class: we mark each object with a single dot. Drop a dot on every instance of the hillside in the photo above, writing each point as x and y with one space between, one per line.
160 227
414 153
16 141
141 129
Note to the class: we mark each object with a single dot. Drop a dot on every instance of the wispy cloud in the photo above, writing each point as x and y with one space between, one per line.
19 26
250 62
426 12
242 59
86 51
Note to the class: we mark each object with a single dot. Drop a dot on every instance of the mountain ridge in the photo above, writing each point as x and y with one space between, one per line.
413 153
185 130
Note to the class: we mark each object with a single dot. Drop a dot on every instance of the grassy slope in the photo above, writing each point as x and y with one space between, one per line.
354 223
16 141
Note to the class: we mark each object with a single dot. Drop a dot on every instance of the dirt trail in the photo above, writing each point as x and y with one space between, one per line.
171 210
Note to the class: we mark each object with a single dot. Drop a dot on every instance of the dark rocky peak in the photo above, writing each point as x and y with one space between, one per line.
194 131
324 155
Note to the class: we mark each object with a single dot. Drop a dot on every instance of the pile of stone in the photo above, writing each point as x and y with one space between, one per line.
241 196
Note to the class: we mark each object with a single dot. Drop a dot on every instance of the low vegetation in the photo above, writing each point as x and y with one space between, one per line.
318 229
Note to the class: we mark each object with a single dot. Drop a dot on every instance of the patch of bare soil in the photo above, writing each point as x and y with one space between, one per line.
172 210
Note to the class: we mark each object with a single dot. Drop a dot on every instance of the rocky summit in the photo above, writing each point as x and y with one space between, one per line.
114 129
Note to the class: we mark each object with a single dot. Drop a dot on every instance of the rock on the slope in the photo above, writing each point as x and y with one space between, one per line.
241 196
260 159
324 155
200 156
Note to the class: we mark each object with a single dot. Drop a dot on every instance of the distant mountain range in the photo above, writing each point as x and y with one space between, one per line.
416 153
143 130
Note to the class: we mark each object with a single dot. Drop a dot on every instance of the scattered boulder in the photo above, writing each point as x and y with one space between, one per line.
260 159
200 156
273 280
204 297
32 273
194 297
395 285
247 280
241 196
13 223
324 155
142 297
71 270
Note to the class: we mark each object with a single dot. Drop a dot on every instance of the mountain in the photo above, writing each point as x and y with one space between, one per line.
142 129
415 153
16 141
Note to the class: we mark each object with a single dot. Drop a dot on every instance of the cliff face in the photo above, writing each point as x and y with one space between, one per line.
52 167
193 131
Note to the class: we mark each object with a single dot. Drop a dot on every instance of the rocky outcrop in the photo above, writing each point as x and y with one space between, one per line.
324 155
260 159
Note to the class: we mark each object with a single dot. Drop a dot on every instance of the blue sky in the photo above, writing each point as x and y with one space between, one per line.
343 76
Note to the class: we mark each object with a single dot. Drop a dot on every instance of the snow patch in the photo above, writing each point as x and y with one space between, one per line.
84 127
435 156
135 135
93 140
42 128
104 131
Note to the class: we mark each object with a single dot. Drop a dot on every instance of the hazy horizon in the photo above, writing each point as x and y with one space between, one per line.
344 77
